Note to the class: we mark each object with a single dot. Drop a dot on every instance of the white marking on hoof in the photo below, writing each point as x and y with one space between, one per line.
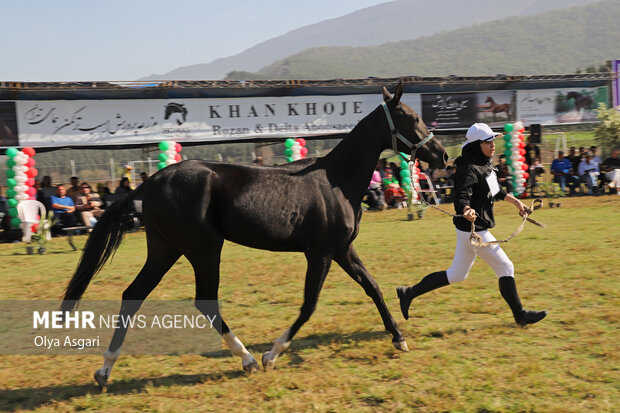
251 367
101 377
400 345
268 364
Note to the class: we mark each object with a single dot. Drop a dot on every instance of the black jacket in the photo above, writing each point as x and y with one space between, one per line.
471 188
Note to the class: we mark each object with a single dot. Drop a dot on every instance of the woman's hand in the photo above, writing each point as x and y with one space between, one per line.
469 214
520 206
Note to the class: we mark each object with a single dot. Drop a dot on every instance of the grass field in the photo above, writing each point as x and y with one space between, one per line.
467 355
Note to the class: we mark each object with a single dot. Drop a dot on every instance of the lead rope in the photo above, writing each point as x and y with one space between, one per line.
475 239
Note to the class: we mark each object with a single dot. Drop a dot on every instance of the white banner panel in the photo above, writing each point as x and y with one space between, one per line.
135 121
551 106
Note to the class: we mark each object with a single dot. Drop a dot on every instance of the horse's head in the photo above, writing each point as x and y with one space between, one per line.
489 100
572 95
412 127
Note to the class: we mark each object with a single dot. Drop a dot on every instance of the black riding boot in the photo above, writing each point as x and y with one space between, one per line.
508 288
430 282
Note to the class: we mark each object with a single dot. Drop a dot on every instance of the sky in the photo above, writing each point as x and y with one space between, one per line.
65 40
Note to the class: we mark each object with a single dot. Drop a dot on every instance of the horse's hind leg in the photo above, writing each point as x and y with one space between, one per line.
352 264
318 267
161 256
207 271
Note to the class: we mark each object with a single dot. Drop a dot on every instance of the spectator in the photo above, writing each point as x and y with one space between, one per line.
89 205
63 207
374 194
589 171
531 152
394 194
611 167
574 159
382 167
143 177
536 168
595 157
503 174
123 187
75 189
561 169
47 190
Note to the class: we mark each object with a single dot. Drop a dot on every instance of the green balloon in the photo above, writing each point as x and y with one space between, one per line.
508 145
289 142
404 173
404 165
10 163
10 193
507 137
15 222
288 152
163 146
12 212
161 165
12 203
10 173
11 152
162 157
407 180
289 159
508 161
507 153
11 182
508 127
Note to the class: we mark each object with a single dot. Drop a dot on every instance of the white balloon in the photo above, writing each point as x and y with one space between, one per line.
518 125
21 178
170 161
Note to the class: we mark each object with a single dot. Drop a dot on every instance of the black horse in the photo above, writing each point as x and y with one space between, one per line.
582 102
190 208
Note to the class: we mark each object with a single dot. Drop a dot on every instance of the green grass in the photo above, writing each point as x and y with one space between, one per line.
467 355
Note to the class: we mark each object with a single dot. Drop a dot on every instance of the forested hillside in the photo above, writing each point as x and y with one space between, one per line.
553 42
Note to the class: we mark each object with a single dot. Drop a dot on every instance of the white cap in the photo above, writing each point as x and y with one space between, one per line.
480 132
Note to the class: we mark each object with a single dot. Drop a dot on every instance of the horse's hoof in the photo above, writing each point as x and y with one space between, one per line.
251 367
400 345
268 364
101 378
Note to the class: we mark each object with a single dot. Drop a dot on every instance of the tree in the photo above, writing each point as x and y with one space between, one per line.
608 131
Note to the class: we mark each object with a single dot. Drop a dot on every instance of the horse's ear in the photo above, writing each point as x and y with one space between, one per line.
386 94
398 93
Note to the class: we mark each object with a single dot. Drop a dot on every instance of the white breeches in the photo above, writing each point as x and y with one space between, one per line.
465 255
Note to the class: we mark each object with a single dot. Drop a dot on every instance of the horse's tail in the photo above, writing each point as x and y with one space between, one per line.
103 241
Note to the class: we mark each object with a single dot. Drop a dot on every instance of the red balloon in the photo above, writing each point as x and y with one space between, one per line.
177 157
521 144
522 151
525 175
524 167
301 141
29 151
30 182
521 158
178 147
303 151
30 163
31 191
522 130
32 172
34 227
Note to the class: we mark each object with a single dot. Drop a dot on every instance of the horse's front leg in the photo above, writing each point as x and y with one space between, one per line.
318 267
352 264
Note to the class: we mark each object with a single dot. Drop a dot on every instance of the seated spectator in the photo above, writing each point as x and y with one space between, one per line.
63 207
374 194
46 192
536 169
503 174
561 169
588 172
394 195
75 189
123 187
611 167
144 176
89 205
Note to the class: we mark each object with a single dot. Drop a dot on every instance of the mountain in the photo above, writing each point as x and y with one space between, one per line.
387 22
559 41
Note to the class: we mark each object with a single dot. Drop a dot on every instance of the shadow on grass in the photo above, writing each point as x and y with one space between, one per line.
33 397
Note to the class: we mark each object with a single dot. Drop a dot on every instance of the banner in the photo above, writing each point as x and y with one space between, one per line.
57 123
461 110
615 68
552 106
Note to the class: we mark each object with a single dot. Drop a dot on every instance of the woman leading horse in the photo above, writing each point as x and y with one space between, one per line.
311 206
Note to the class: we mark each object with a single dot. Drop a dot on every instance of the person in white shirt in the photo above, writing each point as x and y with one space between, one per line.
588 171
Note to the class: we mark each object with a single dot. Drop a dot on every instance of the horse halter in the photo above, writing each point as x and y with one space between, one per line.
398 135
